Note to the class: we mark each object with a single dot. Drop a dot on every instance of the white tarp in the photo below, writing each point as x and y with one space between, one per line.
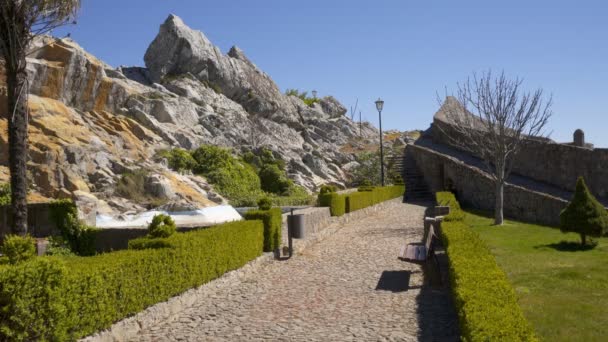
201 217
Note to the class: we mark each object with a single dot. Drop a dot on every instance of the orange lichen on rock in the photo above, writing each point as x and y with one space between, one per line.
53 85
102 94
183 188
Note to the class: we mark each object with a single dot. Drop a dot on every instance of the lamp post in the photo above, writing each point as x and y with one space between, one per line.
379 106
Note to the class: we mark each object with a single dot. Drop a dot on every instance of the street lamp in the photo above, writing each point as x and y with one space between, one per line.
379 106
314 94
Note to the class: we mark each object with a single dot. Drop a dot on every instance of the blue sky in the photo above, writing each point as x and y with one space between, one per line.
403 51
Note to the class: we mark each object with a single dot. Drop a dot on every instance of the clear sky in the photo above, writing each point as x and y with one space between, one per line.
400 50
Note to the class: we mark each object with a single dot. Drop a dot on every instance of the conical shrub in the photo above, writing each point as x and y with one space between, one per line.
584 215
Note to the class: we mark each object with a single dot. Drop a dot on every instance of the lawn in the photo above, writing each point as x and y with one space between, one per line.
562 290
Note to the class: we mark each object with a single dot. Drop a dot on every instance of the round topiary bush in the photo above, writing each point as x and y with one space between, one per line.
19 248
162 226
327 188
264 203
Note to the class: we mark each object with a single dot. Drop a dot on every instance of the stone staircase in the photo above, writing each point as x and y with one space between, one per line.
416 189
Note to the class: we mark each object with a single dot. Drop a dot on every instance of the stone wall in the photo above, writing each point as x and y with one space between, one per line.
38 220
550 162
475 188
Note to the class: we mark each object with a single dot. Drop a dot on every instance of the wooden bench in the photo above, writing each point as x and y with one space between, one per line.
420 252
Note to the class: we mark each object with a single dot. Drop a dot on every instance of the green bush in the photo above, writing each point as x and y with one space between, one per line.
149 242
18 248
584 214
264 203
59 299
231 177
273 221
273 180
363 199
79 237
5 194
211 158
309 101
335 202
485 300
445 198
162 226
179 159
327 188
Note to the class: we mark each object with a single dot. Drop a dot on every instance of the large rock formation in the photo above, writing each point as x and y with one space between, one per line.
91 123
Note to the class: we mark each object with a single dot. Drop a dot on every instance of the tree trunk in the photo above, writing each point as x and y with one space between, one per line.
583 239
16 80
499 206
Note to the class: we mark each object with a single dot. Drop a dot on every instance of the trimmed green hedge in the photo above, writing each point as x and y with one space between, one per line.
368 197
485 300
341 204
65 298
335 202
446 198
273 221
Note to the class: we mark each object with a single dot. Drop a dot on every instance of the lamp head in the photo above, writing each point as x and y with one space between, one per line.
379 105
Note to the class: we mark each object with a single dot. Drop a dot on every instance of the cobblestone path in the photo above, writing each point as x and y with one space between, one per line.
347 287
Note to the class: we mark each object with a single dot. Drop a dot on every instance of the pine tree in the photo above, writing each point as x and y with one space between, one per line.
584 215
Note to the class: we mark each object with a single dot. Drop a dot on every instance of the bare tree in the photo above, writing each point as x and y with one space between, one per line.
20 22
493 120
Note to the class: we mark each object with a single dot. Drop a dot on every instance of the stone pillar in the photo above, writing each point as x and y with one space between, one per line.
579 138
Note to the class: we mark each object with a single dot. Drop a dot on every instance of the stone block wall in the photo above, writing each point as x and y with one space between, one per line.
38 218
475 188
549 162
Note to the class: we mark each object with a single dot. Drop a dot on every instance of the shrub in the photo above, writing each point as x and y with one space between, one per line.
445 198
211 158
79 237
19 248
273 222
309 101
274 180
59 299
149 242
366 172
359 200
231 177
162 226
264 203
180 159
584 214
5 194
327 188
485 300
335 202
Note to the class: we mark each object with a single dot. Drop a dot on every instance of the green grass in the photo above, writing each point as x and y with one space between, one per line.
562 290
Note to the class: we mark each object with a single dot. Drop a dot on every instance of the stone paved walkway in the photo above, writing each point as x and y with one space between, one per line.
347 287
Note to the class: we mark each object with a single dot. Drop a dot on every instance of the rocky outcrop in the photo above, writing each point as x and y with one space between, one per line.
90 123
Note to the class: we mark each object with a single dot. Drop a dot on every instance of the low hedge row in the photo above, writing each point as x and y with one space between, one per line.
368 197
273 221
65 298
446 198
485 300
335 202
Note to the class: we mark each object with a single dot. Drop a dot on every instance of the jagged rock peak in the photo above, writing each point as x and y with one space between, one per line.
178 49
236 52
